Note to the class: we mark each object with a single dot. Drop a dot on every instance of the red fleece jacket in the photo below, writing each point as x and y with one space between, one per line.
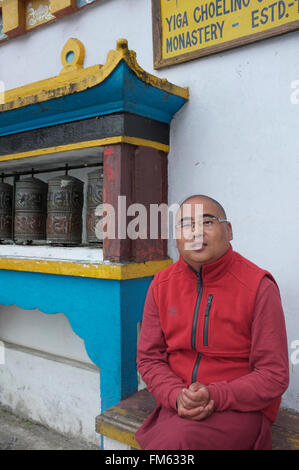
250 377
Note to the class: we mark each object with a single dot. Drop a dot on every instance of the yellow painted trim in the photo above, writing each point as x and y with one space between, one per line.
125 437
119 272
146 143
78 80
87 144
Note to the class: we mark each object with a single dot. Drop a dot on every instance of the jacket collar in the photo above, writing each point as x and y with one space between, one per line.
212 271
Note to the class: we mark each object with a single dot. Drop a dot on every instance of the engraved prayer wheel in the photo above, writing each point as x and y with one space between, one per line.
65 204
5 211
30 210
94 198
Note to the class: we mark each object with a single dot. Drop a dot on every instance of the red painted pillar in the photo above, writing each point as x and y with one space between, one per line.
150 183
139 174
118 167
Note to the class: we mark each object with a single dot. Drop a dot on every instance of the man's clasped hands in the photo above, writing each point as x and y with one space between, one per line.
194 402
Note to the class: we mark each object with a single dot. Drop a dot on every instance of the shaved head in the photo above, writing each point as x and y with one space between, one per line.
203 196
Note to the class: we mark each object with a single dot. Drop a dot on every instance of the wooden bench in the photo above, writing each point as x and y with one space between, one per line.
122 421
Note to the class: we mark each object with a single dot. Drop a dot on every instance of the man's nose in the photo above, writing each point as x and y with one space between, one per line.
198 231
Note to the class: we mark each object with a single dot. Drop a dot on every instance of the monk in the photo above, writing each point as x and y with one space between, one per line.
213 345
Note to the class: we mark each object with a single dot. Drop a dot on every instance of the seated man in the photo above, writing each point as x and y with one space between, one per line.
213 346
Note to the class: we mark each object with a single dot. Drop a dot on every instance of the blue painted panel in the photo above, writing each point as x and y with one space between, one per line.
121 91
102 312
133 294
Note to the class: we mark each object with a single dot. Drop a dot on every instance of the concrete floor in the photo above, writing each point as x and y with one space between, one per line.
20 434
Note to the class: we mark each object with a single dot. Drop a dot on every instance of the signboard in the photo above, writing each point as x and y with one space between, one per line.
187 29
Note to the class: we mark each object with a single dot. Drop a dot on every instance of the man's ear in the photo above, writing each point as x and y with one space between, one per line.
231 235
230 231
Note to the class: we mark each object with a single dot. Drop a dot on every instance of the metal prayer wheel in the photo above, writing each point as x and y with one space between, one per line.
30 210
65 203
94 198
5 211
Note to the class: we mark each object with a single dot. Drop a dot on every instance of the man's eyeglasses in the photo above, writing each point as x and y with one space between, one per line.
208 222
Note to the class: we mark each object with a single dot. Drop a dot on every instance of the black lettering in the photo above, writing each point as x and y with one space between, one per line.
200 35
175 43
196 14
281 9
213 32
188 40
169 45
194 37
178 21
254 18
182 41
207 33
220 26
225 11
169 23
264 15
185 19
272 10
204 12
218 7
237 5
212 10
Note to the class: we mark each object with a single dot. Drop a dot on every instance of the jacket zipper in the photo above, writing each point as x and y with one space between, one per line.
206 323
194 325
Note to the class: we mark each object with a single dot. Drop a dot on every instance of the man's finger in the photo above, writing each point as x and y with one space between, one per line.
189 401
195 386
197 414
201 394
206 412
189 413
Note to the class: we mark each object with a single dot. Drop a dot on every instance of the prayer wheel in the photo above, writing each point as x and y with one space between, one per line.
5 211
65 203
94 198
30 210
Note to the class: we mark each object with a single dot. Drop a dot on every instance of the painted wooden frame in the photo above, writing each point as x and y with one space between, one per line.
285 19
21 16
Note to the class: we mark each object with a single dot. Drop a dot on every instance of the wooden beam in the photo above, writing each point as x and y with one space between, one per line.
62 7
13 15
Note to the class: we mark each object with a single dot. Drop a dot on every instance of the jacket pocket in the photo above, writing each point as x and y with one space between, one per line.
206 321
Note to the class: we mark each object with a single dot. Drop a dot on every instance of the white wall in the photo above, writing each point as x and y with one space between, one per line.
50 333
47 375
236 139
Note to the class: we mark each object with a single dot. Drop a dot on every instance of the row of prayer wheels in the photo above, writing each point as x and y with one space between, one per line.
50 211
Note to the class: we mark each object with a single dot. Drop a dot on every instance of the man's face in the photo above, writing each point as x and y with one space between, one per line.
204 244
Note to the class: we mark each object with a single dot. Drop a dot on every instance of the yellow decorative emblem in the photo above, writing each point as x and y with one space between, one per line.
72 55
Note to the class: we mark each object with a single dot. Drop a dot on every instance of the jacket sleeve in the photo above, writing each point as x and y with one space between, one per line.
152 357
269 366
